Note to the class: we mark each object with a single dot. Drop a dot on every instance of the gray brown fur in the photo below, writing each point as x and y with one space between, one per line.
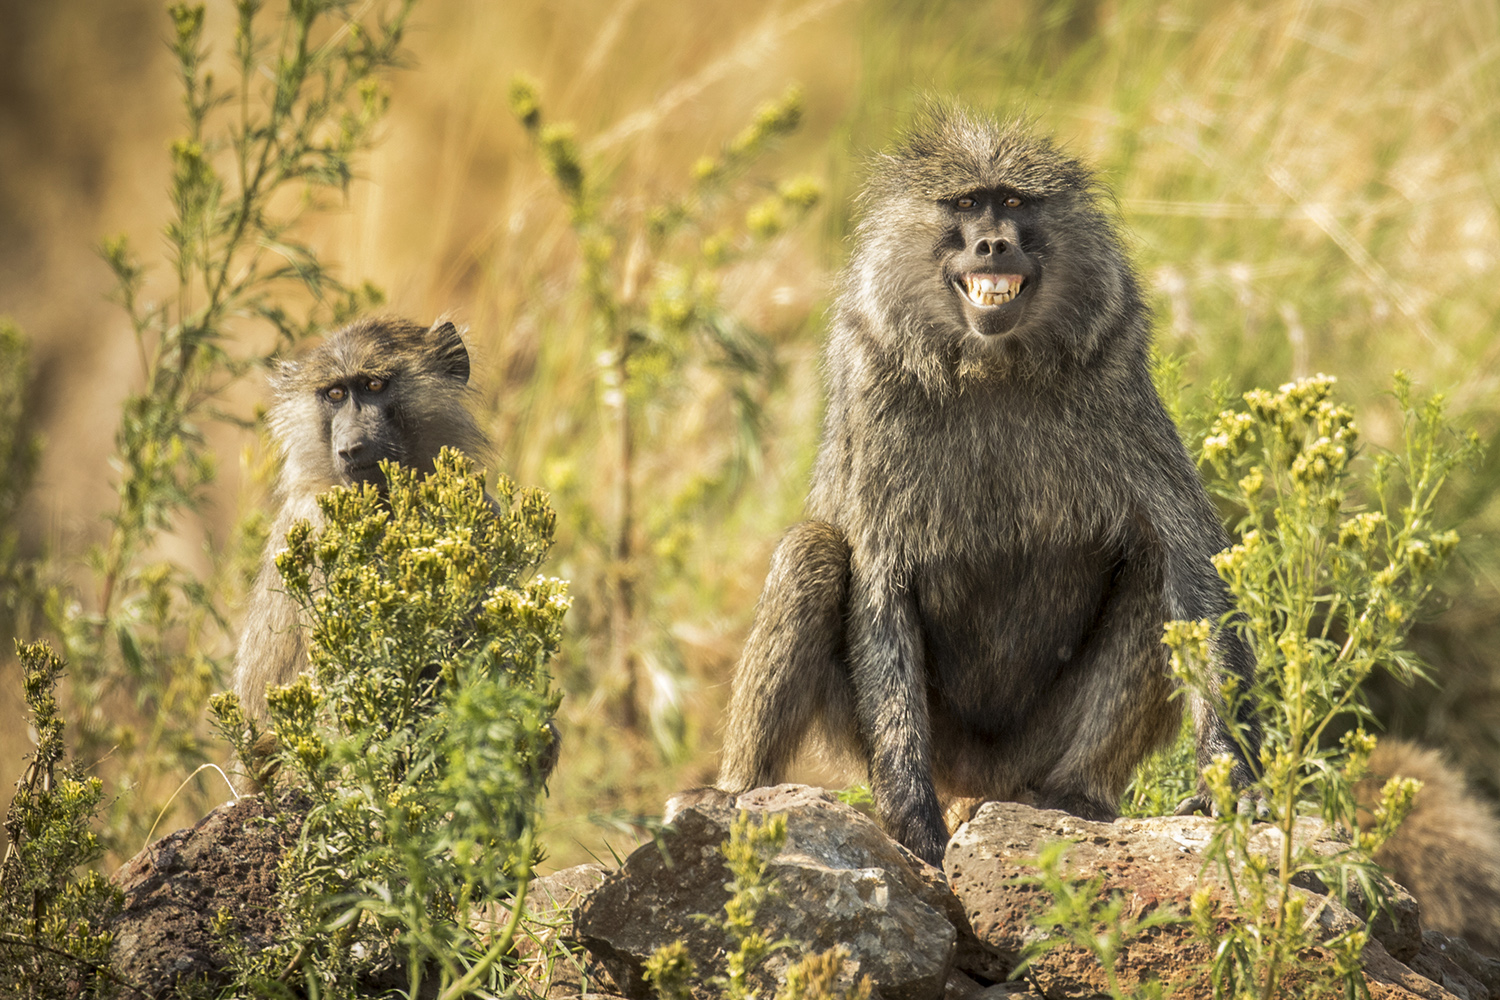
1002 514
1447 851
324 444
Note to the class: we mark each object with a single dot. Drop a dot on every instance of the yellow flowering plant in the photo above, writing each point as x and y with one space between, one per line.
419 741
1335 557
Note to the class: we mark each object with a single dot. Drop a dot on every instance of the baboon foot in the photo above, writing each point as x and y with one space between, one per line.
1079 804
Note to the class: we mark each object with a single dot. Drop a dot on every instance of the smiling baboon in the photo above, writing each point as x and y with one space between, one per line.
378 389
1002 515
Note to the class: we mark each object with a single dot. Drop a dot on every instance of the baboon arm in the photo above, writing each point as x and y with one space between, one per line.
791 671
890 706
271 644
1186 526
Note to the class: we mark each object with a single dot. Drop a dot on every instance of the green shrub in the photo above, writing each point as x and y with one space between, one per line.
1081 917
263 146
421 736
53 919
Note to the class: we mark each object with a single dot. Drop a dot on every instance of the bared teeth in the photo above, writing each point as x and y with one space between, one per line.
990 289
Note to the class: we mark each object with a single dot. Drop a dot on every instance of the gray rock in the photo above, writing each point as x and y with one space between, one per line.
1482 967
840 881
549 958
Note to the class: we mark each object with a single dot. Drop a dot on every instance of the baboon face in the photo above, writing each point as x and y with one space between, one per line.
983 257
983 247
362 426
380 389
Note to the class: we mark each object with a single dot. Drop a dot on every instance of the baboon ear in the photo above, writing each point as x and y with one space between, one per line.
449 353
282 373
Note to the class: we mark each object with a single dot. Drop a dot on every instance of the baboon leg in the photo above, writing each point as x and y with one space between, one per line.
791 673
1116 703
887 665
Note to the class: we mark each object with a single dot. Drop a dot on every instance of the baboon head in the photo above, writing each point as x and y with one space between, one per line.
380 389
982 244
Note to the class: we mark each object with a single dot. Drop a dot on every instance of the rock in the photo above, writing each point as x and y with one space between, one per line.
1433 963
1388 979
1154 863
174 888
550 958
551 899
840 881
1455 949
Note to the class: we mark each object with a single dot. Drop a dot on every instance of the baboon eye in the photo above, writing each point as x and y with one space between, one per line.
1012 202
374 383
967 201
335 393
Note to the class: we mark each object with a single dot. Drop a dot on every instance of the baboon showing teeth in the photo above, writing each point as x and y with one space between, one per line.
1002 515
378 389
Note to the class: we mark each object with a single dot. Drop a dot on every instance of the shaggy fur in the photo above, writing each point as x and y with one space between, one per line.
1002 514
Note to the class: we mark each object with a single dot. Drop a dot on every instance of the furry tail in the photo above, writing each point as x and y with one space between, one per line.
1447 852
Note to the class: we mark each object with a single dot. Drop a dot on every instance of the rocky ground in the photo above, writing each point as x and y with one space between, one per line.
918 933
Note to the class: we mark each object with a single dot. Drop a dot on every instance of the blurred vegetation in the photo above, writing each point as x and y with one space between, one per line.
19 451
661 340
1310 187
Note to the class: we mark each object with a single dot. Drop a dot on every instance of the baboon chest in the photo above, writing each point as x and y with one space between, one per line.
1014 528
998 632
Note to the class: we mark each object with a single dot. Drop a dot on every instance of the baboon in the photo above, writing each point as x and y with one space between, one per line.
1447 851
378 389
1002 514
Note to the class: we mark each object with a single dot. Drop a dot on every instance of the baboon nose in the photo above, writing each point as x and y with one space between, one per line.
986 247
349 453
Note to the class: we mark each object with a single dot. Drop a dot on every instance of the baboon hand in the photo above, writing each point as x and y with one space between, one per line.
1203 803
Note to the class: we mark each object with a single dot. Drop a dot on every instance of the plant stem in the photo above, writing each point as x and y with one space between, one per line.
622 610
500 947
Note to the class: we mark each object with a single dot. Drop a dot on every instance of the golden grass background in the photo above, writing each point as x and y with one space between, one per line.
1309 185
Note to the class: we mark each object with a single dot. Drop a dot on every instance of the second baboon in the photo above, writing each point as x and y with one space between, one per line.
378 389
1002 514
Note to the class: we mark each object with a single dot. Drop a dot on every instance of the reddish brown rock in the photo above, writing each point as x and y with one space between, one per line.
1153 864
174 888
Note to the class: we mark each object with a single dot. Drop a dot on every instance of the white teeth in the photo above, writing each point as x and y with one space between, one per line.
990 289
